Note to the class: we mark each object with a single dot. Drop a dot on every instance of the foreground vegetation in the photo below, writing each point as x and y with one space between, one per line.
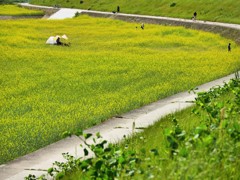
200 143
110 68
218 10
13 10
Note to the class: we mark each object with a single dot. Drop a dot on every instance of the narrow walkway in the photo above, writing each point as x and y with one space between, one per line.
64 13
112 130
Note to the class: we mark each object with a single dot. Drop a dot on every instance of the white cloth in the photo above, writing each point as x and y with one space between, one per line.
51 40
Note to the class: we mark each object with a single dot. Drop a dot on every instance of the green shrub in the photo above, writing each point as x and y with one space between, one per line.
173 4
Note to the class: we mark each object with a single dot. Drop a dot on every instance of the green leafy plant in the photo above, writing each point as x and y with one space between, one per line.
173 4
107 162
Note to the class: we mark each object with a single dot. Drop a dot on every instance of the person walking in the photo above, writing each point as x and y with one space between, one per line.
195 15
229 47
118 9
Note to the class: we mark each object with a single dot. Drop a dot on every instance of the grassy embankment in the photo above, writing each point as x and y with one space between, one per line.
46 90
207 145
200 145
212 10
13 10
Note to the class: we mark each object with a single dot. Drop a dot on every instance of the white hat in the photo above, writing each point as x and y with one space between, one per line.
64 36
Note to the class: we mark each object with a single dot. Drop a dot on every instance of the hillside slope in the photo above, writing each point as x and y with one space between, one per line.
217 10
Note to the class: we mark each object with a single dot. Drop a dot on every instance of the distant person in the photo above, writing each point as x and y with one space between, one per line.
118 9
56 6
229 47
142 26
58 41
194 15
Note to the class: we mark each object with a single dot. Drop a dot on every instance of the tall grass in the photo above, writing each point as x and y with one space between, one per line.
13 10
110 68
217 10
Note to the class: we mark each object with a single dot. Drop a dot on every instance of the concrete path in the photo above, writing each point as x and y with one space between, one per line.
64 13
112 130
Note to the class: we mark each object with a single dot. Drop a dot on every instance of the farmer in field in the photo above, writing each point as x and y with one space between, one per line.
58 41
142 26
118 9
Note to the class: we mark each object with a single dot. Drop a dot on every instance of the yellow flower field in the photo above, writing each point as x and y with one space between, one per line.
13 10
111 67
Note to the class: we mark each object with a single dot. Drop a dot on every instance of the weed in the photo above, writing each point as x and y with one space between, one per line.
173 4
